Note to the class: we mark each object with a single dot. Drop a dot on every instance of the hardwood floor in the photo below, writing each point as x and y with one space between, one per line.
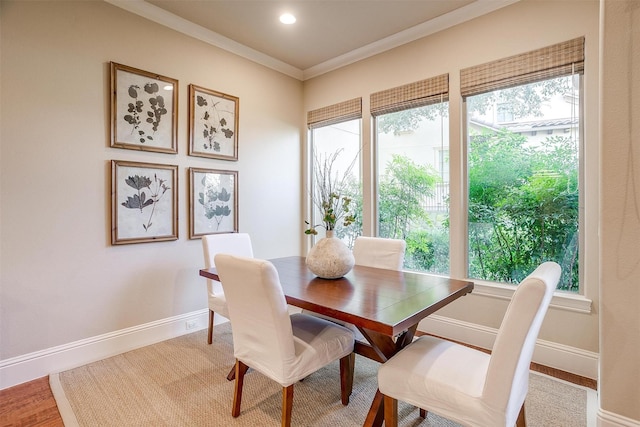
29 404
565 376
32 404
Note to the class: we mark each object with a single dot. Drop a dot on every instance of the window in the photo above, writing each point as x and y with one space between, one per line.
335 138
524 189
412 170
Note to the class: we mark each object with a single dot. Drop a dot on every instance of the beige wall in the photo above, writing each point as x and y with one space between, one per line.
61 280
620 228
506 32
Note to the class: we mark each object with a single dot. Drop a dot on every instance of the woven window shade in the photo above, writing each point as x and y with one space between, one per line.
561 59
412 95
336 113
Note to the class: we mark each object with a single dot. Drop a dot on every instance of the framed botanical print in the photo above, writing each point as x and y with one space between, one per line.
213 204
144 110
144 201
213 124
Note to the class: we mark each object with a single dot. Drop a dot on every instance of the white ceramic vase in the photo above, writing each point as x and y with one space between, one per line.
330 257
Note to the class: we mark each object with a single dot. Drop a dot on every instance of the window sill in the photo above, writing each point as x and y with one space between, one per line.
561 300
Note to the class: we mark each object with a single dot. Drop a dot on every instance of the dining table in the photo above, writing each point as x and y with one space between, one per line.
386 306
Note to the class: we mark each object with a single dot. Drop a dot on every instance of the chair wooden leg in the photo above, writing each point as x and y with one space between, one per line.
521 421
232 374
241 369
390 412
287 405
210 335
423 413
347 365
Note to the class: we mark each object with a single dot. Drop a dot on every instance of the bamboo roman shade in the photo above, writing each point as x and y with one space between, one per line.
336 113
412 95
558 60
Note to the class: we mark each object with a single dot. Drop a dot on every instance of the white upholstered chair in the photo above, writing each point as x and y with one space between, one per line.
213 244
283 347
379 252
466 385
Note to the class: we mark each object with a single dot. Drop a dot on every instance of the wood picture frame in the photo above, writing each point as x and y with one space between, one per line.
144 110
144 202
213 124
213 202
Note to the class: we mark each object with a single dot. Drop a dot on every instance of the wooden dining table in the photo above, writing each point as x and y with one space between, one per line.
385 305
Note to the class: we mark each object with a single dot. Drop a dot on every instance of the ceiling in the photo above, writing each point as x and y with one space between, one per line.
328 34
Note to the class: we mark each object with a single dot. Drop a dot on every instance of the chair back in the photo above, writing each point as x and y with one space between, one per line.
260 322
379 252
507 378
228 243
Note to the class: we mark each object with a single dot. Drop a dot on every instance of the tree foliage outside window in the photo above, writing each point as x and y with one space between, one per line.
402 214
523 207
523 193
411 167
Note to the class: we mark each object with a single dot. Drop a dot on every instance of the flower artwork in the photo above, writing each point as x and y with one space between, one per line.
151 106
143 110
213 118
144 202
215 127
214 202
139 199
331 195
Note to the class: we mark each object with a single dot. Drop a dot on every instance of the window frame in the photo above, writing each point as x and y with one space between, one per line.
438 154
311 212
575 302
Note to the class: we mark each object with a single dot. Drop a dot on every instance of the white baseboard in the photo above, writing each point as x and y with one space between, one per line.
41 363
609 419
35 365
558 356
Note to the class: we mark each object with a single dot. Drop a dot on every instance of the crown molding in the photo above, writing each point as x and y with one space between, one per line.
458 16
162 17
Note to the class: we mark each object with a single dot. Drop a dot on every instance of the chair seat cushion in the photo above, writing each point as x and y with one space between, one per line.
317 342
356 333
439 376
218 304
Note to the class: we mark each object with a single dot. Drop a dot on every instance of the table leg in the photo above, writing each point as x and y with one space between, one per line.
385 347
375 417
406 338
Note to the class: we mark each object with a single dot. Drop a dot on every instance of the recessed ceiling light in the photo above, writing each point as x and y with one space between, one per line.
287 18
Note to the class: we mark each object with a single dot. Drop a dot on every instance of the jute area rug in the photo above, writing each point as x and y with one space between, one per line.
182 382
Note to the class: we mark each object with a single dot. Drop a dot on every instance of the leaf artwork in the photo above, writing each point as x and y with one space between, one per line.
139 200
215 125
155 110
214 202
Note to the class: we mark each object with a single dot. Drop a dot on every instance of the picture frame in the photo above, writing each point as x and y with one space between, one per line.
144 202
213 202
144 110
213 124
